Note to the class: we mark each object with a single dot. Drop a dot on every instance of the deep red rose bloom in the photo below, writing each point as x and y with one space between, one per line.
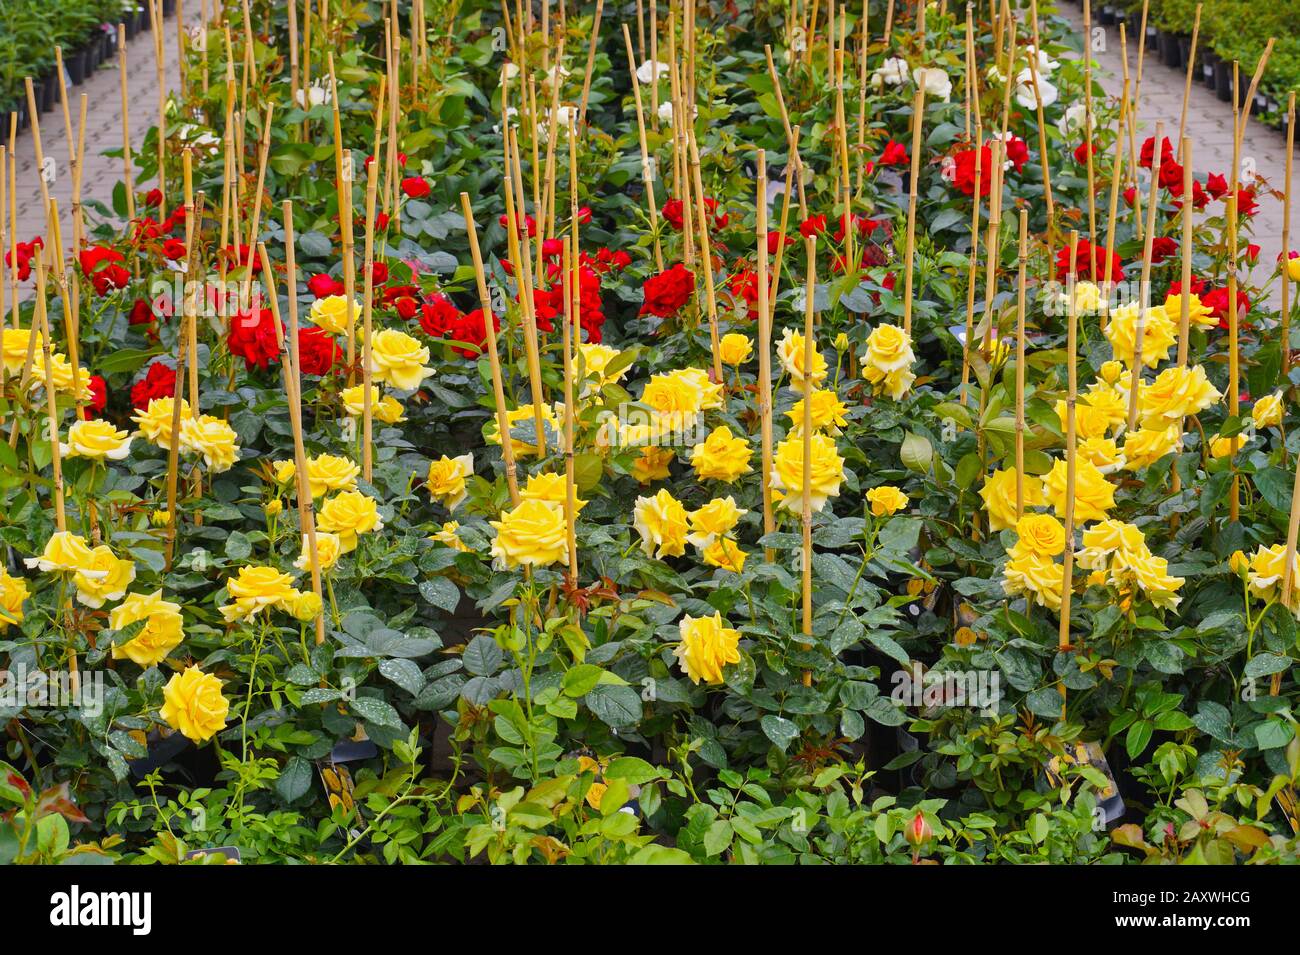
471 328
1016 151
406 307
96 256
173 249
322 286
98 396
552 248
668 291
894 154
1130 194
774 240
1149 149
1198 286
159 382
861 225
1216 184
153 198
438 315
1216 300
317 351
813 225
141 313
252 338
963 172
1252 253
145 230
1081 153
1171 176
672 213
547 305
100 264
1083 263
415 187
1246 204
529 222
584 214
379 273
1161 248
744 288
241 256
394 292
26 252
381 221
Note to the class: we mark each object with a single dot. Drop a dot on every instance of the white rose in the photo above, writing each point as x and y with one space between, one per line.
1025 91
1072 120
893 72
934 81
650 72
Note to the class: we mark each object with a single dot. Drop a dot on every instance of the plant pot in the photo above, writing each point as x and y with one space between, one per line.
1223 81
128 26
168 7
1170 54
50 93
1106 16
1185 50
1152 36
76 66
141 21
1208 59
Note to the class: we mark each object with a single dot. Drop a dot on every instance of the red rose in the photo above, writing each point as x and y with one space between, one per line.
141 313
1198 286
98 396
26 252
153 198
552 248
529 221
317 351
1130 195
744 288
1161 248
774 240
1246 204
1171 176
100 264
1149 148
813 225
1216 184
97 256
963 173
379 273
159 382
1216 300
584 214
668 291
252 338
1083 263
406 307
145 230
1017 151
672 213
438 315
1082 151
471 328
894 154
862 225
241 256
322 286
381 221
547 304
415 187
1252 253
173 249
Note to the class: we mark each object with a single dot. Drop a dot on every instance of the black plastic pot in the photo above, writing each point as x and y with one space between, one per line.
1106 16
1223 81
1185 50
1170 52
76 66
168 7
141 20
50 93
1208 59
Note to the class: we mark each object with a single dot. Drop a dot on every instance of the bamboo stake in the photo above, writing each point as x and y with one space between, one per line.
1071 441
647 175
810 249
591 63
1112 223
127 178
1185 283
368 307
973 264
294 86
155 14
33 115
1187 85
1234 356
1286 237
1020 363
1144 290
918 111
702 221
569 285
51 395
524 269
1142 49
765 346
792 140
1254 85
1043 155
1088 134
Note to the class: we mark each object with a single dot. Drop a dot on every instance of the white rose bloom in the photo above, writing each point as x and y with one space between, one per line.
993 74
1073 120
1025 91
317 94
512 70
551 74
1046 65
893 72
650 71
934 81
666 111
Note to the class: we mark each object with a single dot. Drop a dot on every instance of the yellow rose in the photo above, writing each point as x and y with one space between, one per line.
193 704
61 374
1146 446
1148 573
1092 419
1040 580
1093 494
397 359
447 535
1159 334
662 523
1111 372
1175 394
710 391
212 438
1087 299
1239 563
652 465
94 589
706 647
1104 400
725 553
328 550
841 343
65 551
886 500
714 520
17 341
999 495
305 606
162 631
553 489
887 362
735 349
520 415
383 407
787 472
1267 566
348 514
791 350
333 314
721 456
285 471
13 593
1293 266
596 359
255 589
677 401
96 439
534 533
1106 538
446 479
1224 447
330 472
1102 452
1040 535
273 507
155 422
1198 314
827 413
1267 412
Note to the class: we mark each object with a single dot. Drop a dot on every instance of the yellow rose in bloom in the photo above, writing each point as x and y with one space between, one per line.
827 413
1093 494
193 704
1267 412
711 393
1198 314
1267 566
95 439
1108 401
16 344
13 593
305 606
886 500
1106 538
1089 421
1040 535
1175 394
787 472
447 535
65 551
383 407
596 359
1146 446
661 521
397 359
1087 299
1293 267
1039 580
721 456
330 472
553 489
791 352
155 422
161 634
212 438
520 415
446 479
61 374
713 520
255 589
1102 452
328 550
333 314
706 647
533 533
1223 447
999 496
1144 571
103 578
1158 336
285 471
652 465
348 514
887 362
1111 372
735 348
725 553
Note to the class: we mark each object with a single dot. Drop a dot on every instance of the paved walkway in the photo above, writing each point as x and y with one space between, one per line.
1209 125
103 132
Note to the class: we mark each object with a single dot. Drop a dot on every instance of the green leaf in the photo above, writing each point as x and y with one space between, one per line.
376 711
916 453
779 730
404 673
633 769
295 779
1139 735
441 592
482 656
615 705
581 679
